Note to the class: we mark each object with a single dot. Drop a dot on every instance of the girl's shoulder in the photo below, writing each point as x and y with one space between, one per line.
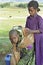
39 17
28 17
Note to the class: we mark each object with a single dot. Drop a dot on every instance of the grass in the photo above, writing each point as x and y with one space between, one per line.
5 48
4 41
5 45
6 12
2 61
6 25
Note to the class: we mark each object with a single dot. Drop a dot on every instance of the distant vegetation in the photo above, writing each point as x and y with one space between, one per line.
21 5
5 5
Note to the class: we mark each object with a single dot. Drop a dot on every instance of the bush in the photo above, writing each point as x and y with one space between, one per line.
21 5
4 5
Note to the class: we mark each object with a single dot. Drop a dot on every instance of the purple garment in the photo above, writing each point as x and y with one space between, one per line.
29 47
36 23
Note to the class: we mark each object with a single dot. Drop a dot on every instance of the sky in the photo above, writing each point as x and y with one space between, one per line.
18 0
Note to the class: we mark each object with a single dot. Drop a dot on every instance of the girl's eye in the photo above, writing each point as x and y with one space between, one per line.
30 10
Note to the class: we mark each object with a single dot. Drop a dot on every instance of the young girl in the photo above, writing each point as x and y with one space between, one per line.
34 24
21 53
14 38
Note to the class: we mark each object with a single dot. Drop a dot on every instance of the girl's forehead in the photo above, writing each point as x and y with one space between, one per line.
31 8
14 34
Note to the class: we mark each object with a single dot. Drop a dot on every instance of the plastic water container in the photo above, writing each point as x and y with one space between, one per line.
7 59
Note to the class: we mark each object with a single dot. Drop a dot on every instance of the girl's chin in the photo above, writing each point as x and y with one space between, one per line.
14 42
32 15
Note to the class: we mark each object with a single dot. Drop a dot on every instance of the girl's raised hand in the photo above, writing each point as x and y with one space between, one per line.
26 31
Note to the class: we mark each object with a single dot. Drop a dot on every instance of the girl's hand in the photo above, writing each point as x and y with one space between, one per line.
26 31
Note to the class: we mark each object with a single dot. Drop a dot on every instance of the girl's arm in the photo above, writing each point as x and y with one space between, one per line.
16 55
29 31
34 31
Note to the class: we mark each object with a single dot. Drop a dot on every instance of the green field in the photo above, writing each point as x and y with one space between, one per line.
6 25
10 17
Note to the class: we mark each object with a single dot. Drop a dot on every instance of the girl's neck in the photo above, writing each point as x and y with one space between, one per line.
14 47
34 15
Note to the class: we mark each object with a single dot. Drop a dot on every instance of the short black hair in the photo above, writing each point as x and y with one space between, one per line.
33 4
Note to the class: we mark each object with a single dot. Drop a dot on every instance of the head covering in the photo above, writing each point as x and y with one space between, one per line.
34 4
19 31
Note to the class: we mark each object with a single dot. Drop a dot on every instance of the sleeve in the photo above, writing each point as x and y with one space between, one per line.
41 25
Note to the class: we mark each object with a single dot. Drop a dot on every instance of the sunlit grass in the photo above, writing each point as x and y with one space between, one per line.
6 12
6 25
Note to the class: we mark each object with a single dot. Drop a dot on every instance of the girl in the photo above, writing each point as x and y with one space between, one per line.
14 38
21 53
34 24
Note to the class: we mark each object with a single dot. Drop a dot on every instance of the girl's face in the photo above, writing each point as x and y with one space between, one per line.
14 38
32 11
